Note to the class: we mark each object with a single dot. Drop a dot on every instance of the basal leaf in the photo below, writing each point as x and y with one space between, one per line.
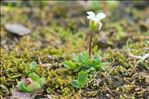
78 67
82 78
75 83
84 58
75 58
21 86
33 65
69 64
90 69
42 81
96 62
33 86
34 76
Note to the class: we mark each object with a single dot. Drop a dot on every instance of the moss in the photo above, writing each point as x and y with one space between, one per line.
59 38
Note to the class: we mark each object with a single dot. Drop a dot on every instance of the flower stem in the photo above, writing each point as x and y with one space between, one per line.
90 44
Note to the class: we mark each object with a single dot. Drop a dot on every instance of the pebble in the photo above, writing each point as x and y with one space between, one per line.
16 28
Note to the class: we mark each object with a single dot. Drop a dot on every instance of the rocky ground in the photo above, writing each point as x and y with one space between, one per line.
53 31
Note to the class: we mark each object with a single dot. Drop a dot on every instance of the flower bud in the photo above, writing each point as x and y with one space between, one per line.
93 25
28 81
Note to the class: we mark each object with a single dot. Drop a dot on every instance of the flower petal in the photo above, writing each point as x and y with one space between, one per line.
95 19
100 16
89 17
91 14
100 25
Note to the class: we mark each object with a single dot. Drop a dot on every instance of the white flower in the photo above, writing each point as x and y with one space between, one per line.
96 18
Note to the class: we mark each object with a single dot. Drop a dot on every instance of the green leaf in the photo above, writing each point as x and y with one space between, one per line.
96 62
33 86
75 58
21 86
84 58
74 83
82 78
33 65
78 67
69 64
42 81
90 69
34 76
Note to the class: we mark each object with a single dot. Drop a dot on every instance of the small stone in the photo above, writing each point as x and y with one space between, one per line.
17 29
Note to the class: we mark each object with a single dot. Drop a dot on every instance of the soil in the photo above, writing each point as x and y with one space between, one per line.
60 29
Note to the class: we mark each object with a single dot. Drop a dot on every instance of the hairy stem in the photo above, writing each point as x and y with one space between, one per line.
90 44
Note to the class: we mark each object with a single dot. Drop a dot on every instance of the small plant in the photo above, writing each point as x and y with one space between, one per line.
94 24
84 65
33 82
83 62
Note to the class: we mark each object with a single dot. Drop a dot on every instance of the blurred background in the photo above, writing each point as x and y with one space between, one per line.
61 23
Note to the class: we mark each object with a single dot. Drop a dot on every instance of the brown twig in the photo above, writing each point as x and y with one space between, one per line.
90 44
